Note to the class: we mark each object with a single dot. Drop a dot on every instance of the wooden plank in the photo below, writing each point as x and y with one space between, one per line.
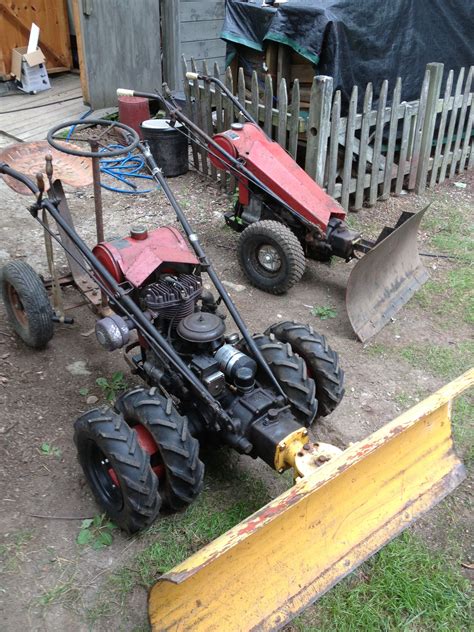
466 141
219 97
347 168
420 119
452 121
207 114
283 64
255 96
197 10
191 111
460 126
441 129
432 98
334 143
303 72
202 30
402 159
268 105
392 137
364 137
241 93
379 125
172 36
204 49
294 119
283 111
197 95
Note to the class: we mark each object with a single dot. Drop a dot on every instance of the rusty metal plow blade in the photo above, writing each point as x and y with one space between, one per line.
385 279
268 568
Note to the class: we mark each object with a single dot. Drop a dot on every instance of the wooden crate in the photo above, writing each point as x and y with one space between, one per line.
15 24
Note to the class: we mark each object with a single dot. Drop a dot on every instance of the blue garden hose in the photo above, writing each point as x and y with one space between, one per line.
123 169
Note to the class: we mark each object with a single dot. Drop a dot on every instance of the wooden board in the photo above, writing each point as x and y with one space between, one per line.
15 23
119 47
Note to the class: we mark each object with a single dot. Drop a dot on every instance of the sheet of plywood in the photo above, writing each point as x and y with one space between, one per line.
15 23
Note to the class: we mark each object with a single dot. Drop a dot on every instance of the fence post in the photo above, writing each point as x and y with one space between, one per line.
434 85
319 121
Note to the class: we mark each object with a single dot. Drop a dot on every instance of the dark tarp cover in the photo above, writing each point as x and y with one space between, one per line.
357 41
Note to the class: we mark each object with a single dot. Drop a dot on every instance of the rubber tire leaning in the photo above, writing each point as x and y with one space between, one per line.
108 431
39 328
290 371
322 361
288 247
178 449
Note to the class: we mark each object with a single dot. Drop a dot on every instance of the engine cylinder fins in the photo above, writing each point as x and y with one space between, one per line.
173 297
201 327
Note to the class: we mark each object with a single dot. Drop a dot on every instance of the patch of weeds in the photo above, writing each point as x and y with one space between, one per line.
65 591
451 296
447 362
96 532
12 550
376 350
111 388
47 449
406 586
451 231
84 391
324 312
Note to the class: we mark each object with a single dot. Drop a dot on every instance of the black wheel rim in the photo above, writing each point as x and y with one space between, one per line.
258 263
99 469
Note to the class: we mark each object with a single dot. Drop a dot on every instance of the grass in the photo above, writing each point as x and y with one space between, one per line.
447 362
451 293
12 550
406 586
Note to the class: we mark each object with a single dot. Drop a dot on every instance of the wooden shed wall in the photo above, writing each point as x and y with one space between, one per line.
201 24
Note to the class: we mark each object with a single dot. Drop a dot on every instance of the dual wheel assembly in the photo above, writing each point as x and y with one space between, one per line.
139 457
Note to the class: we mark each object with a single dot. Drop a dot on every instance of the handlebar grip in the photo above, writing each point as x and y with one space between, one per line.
8 171
192 75
124 92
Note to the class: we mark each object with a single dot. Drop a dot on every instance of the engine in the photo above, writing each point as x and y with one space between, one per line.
187 315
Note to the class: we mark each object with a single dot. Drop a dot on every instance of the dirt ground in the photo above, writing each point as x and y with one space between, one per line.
44 495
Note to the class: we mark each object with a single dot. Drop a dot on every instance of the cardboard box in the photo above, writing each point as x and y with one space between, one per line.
30 70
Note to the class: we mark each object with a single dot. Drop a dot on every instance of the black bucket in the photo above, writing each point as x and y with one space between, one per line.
169 145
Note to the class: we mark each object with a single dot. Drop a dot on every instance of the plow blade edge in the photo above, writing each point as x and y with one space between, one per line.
267 569
385 278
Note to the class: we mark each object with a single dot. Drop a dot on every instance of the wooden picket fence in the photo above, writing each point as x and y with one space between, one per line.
359 158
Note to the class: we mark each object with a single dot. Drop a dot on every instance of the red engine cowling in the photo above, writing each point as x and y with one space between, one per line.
136 257
271 164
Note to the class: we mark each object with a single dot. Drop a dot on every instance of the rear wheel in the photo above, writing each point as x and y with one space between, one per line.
290 371
117 468
27 304
321 361
182 472
271 256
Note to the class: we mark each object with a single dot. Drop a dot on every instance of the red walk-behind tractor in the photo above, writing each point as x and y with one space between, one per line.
257 394
284 216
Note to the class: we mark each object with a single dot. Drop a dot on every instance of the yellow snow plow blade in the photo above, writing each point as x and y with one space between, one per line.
384 279
267 569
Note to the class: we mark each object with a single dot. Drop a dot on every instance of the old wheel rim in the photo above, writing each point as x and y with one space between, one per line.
268 258
17 305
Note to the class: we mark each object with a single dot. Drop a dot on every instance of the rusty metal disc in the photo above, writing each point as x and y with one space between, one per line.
29 159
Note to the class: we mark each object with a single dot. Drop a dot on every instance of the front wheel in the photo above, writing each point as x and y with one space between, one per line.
117 468
271 256
176 459
27 304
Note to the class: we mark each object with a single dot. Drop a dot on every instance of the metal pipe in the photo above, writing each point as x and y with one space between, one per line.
98 207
